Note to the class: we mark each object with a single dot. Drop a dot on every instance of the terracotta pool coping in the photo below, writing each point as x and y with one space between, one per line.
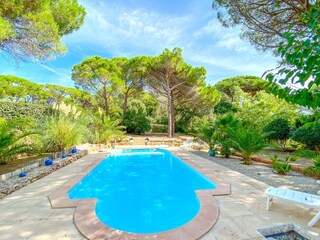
91 227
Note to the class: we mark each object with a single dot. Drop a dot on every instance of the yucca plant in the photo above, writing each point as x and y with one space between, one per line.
13 140
61 132
313 170
247 141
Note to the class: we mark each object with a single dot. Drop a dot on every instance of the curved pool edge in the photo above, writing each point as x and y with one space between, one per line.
89 225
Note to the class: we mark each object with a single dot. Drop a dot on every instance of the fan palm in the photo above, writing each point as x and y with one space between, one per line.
223 125
247 141
207 134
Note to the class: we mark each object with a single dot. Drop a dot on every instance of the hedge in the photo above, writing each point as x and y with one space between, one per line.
159 128
9 110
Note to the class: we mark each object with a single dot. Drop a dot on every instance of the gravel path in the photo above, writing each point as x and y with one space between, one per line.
264 173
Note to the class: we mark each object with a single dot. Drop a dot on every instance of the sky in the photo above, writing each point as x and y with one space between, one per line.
116 28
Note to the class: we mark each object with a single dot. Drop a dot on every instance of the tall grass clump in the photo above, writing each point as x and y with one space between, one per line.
61 132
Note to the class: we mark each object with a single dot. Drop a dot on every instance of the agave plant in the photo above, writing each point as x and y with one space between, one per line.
247 141
13 140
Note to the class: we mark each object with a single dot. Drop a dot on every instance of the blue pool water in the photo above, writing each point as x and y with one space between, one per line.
143 190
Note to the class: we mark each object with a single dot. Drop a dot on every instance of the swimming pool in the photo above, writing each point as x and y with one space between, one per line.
143 191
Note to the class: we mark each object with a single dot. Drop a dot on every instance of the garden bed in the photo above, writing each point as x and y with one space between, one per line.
13 184
265 173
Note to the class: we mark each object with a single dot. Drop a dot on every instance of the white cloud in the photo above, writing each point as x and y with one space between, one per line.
115 28
119 30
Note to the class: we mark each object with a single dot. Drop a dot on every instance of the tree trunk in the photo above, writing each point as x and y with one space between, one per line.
106 106
169 115
124 108
172 116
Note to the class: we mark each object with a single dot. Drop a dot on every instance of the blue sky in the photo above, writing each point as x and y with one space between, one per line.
145 27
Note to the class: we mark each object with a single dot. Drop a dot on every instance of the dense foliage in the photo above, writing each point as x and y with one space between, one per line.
282 166
278 130
247 141
136 120
263 21
308 136
37 111
224 107
300 52
61 132
33 29
13 139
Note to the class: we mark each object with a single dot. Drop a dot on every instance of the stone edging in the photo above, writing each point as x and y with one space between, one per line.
91 227
55 167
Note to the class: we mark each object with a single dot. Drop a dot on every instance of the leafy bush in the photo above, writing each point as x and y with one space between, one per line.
313 170
224 107
223 124
136 120
309 136
136 123
207 134
282 166
159 128
10 110
103 129
13 140
278 130
247 141
225 149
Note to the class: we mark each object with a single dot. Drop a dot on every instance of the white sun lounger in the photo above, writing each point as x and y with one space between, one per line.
305 199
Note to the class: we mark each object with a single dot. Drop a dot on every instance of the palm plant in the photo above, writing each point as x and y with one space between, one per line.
104 130
207 134
13 140
247 141
282 166
315 156
223 125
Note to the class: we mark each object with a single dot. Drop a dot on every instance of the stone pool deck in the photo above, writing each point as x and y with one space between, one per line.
27 214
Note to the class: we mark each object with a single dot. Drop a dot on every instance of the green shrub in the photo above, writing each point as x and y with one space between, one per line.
278 130
13 110
282 166
313 170
159 128
61 132
224 107
309 136
247 141
13 142
223 125
136 120
225 149
208 134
